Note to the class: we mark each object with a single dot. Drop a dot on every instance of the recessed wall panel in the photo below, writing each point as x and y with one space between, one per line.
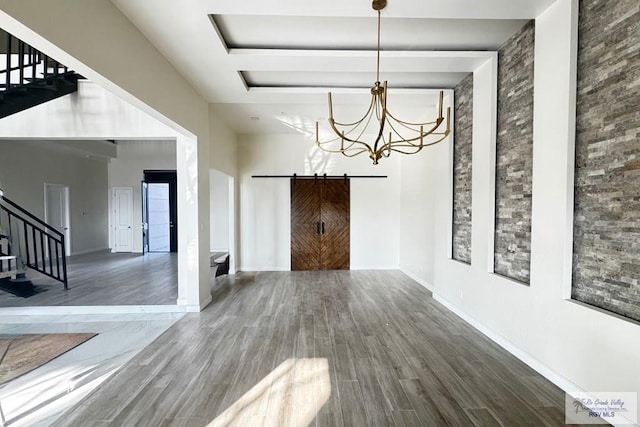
514 156
462 165
606 255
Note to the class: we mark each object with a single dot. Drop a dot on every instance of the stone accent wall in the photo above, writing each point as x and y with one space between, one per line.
462 161
514 155
606 255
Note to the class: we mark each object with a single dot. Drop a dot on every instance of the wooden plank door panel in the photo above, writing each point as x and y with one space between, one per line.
335 237
335 247
320 229
305 221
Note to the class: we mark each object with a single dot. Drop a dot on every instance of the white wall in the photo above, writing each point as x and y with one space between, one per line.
265 204
578 347
223 159
417 215
418 208
25 166
219 211
127 170
223 148
91 112
115 54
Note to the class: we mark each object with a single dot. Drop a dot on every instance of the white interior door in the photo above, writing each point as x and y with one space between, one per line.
56 211
123 219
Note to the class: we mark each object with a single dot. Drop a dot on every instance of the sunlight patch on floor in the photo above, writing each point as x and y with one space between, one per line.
291 395
42 395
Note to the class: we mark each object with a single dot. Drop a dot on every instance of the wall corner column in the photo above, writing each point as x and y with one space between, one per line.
194 289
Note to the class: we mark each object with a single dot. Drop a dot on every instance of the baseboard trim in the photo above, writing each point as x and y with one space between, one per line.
420 281
566 385
373 267
563 383
91 309
193 308
203 304
90 251
258 269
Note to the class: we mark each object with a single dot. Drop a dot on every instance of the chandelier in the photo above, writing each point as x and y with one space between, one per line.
402 137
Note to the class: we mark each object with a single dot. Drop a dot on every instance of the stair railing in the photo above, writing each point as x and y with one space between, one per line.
24 64
37 244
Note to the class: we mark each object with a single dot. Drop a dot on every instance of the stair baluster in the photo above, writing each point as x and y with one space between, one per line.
32 79
34 243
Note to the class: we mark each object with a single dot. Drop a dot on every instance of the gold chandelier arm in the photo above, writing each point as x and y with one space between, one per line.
397 147
354 153
341 135
356 123
346 138
351 150
421 134
410 142
364 128
383 119
343 150
440 117
407 124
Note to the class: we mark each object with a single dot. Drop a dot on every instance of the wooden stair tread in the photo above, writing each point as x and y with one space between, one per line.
10 273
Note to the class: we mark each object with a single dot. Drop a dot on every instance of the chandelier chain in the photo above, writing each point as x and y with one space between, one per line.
378 50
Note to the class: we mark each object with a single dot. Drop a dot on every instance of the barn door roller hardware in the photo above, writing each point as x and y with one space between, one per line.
315 176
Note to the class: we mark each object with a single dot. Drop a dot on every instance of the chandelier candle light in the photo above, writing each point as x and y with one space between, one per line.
421 134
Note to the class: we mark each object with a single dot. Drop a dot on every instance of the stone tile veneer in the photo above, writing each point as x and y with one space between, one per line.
514 155
606 254
462 161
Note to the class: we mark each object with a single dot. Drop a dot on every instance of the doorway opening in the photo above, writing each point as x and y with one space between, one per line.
159 211
222 218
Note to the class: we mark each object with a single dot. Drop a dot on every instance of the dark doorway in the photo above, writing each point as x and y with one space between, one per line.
159 211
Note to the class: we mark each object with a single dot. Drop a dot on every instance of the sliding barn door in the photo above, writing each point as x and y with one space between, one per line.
334 218
305 225
320 224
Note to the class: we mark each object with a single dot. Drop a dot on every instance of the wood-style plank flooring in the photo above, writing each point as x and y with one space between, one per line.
104 278
347 348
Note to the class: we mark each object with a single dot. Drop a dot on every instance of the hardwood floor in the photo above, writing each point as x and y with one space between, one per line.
103 278
337 348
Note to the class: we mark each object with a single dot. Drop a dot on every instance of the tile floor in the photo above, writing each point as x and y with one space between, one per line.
41 396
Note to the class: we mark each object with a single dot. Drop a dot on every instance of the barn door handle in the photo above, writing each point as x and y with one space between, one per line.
323 227
318 227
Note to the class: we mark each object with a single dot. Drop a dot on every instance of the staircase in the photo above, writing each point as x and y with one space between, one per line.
28 77
8 263
27 242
